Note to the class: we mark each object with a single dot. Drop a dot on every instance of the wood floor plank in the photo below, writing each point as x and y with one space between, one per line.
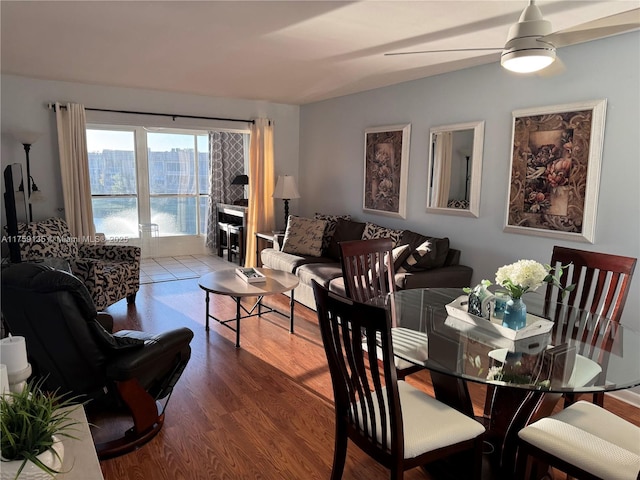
263 411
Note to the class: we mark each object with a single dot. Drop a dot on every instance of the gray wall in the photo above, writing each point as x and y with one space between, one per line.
332 151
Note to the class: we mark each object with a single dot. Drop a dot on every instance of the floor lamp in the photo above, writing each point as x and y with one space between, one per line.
27 139
286 189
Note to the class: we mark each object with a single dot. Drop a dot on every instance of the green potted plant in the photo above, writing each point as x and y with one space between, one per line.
32 424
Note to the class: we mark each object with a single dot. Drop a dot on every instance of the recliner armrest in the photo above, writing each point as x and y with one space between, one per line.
157 351
105 320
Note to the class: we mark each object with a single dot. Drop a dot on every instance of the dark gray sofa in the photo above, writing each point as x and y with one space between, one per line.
439 268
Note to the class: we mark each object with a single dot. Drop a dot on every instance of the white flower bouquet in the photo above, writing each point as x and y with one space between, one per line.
523 276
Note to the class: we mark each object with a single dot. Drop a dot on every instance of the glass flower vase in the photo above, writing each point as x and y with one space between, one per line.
515 314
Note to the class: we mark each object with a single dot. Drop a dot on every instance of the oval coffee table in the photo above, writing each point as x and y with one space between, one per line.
227 282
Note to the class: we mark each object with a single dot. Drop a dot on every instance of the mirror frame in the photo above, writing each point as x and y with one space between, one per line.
475 180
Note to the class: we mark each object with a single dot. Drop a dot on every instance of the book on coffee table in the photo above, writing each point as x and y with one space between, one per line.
250 275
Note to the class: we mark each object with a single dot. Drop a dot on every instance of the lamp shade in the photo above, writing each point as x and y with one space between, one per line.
286 188
240 180
26 137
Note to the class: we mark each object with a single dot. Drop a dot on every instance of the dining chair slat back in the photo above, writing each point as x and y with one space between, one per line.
602 283
367 268
368 272
369 399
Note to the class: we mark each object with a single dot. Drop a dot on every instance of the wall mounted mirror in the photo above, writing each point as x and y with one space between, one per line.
455 169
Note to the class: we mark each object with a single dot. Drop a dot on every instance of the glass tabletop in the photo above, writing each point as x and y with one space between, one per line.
568 349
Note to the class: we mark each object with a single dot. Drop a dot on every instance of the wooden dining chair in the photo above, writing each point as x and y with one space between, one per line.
602 281
583 440
602 284
396 424
368 272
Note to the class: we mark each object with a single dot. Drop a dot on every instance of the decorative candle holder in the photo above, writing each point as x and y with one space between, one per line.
18 380
13 354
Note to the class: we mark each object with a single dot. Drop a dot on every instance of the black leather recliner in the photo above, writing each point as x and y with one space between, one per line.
71 347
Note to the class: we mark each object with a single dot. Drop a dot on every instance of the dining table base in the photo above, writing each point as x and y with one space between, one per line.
510 411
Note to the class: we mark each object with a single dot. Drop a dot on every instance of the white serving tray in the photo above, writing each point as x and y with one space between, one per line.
535 325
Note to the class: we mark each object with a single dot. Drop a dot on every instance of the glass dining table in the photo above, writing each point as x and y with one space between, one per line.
563 351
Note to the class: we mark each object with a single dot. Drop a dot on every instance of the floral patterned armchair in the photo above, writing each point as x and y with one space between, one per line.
110 272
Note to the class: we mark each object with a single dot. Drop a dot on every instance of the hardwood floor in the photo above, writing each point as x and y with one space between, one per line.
263 411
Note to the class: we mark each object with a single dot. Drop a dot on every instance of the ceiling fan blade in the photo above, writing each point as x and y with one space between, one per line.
603 27
446 50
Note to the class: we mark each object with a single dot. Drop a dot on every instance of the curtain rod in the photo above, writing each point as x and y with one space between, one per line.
52 106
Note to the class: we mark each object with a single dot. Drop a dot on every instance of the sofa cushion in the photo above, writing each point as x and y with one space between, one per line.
434 258
277 260
337 286
304 236
345 230
371 231
332 222
322 273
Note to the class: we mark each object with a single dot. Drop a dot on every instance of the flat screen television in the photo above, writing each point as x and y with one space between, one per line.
15 206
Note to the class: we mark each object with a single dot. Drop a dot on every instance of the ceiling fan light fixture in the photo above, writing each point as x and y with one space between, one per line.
525 50
527 61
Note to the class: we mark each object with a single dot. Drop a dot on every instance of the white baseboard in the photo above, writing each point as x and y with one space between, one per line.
627 396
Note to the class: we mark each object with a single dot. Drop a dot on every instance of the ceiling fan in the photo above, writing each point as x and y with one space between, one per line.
531 44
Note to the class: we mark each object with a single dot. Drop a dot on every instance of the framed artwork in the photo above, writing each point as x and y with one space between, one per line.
386 167
555 170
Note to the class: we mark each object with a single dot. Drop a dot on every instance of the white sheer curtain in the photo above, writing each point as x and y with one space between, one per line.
261 184
442 168
74 167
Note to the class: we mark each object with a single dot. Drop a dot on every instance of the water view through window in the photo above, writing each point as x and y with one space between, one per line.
173 192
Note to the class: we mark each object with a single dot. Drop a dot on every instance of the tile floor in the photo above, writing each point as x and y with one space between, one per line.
166 269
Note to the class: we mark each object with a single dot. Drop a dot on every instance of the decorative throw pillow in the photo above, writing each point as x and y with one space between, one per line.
414 257
399 255
304 236
371 231
432 253
345 230
436 257
332 223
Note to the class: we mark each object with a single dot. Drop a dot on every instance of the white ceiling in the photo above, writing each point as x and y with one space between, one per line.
292 52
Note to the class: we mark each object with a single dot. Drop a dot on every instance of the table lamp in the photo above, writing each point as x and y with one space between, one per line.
286 189
241 180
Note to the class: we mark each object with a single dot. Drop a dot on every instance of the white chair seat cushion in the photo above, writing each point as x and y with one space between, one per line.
590 438
584 373
429 424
